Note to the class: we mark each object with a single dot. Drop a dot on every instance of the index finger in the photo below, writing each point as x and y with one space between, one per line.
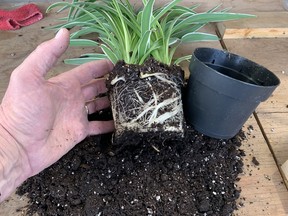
91 70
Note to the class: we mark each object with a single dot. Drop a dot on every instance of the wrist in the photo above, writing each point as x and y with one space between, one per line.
14 164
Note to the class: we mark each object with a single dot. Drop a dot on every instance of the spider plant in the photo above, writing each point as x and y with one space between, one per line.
134 35
145 98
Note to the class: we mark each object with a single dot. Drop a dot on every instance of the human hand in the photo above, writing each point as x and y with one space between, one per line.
47 118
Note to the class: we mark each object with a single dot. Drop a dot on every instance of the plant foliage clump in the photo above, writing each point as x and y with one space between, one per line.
133 34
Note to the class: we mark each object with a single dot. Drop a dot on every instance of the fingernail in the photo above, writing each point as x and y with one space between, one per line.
59 33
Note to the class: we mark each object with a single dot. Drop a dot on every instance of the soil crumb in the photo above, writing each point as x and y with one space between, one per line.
195 176
255 161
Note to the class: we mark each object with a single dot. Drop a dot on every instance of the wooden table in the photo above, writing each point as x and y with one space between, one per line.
263 188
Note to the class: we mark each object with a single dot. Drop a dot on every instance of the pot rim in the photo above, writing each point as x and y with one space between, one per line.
234 56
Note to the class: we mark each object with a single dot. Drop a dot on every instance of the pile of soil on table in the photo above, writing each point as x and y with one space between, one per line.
194 176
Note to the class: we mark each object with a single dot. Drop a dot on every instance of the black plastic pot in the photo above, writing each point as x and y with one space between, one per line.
223 90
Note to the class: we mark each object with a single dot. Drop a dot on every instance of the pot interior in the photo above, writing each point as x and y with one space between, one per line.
236 67
233 74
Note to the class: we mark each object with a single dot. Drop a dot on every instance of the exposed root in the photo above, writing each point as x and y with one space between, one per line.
117 79
147 106
155 148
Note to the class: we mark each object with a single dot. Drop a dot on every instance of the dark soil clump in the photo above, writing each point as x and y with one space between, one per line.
255 161
194 176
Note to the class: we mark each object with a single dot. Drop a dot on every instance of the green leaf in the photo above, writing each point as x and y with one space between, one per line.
147 17
82 32
194 28
209 17
173 41
181 59
144 44
93 16
214 9
79 61
198 36
108 52
156 45
135 34
83 42
94 55
130 17
116 27
124 29
111 43
71 10
164 10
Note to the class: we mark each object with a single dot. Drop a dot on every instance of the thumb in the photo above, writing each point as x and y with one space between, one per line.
42 59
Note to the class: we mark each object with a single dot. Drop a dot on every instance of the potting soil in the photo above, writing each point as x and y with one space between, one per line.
193 176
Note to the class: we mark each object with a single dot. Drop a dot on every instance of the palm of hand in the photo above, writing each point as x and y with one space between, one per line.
47 117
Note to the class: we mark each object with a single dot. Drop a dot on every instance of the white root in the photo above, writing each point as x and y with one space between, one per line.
155 148
160 76
158 107
117 79
138 96
162 118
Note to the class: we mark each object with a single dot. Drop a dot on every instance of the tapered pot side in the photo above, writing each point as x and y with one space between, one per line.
223 90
